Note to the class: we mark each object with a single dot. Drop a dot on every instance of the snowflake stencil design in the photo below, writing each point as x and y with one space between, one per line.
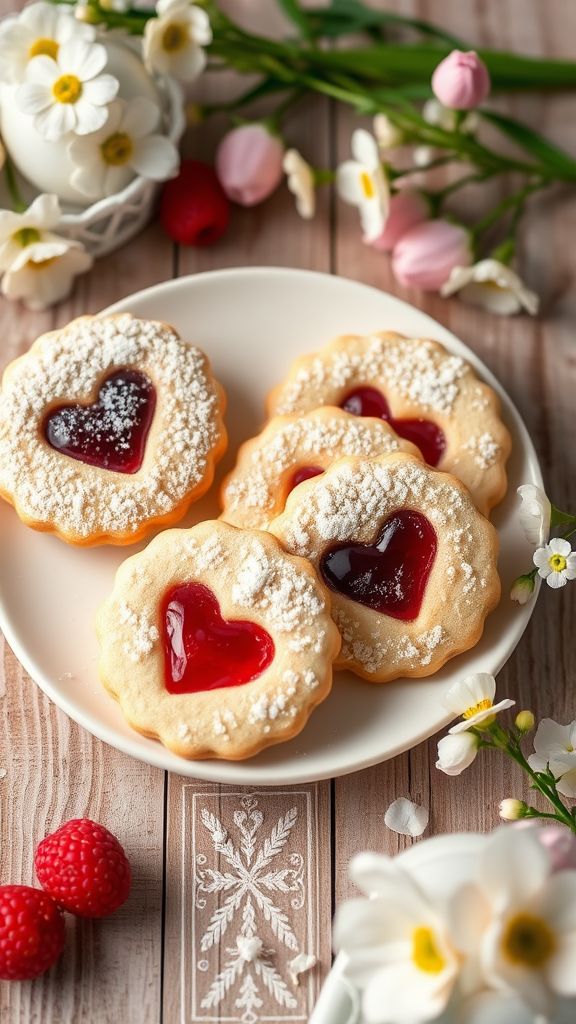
250 881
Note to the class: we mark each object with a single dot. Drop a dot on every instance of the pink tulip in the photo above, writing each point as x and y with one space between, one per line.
461 81
426 255
249 164
407 209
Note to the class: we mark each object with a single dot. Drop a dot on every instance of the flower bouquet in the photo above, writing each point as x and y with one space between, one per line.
91 117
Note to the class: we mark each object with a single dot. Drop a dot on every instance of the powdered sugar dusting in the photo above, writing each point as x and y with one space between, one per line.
68 366
252 487
143 633
418 370
484 449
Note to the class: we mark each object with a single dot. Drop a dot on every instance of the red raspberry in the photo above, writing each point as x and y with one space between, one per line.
194 209
31 932
84 868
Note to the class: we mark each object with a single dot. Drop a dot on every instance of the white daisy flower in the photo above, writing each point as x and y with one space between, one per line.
473 698
106 160
363 183
456 753
398 950
39 266
39 29
493 286
555 748
535 512
556 562
173 42
68 93
527 947
300 181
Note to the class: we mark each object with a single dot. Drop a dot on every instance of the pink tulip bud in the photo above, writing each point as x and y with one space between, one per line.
407 209
426 255
249 164
461 81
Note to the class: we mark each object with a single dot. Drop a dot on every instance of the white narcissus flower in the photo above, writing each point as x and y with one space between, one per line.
555 748
556 562
493 286
39 266
473 698
300 181
535 512
105 161
41 28
68 93
397 944
456 753
363 183
173 42
528 947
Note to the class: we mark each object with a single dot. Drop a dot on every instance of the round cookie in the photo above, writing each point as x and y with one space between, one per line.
291 449
430 397
410 562
108 428
216 641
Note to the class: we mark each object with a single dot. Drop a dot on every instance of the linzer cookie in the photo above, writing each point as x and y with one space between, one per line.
217 642
429 396
108 428
292 449
410 562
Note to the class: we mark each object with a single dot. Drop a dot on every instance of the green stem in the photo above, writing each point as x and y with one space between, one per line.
547 790
18 203
510 202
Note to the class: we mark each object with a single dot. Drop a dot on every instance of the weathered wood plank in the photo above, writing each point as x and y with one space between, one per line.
535 362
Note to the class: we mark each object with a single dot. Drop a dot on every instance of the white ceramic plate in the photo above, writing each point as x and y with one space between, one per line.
252 323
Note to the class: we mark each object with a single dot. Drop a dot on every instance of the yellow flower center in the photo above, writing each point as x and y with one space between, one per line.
117 150
482 705
67 89
557 563
175 36
367 185
528 940
44 48
26 236
425 952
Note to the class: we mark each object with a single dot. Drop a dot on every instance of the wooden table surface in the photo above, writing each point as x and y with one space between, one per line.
169 954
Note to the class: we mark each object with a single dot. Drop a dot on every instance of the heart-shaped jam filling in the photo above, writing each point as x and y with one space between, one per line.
390 575
426 435
111 433
204 652
301 474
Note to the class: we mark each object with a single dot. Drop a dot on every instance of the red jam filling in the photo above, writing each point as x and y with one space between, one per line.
390 575
423 433
302 474
111 433
204 652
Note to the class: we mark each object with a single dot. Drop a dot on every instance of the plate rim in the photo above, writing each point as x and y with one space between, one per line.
208 770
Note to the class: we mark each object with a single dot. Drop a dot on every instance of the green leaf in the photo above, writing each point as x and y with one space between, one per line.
548 155
297 16
347 16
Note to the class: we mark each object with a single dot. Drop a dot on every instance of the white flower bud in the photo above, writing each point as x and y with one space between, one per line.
456 752
511 809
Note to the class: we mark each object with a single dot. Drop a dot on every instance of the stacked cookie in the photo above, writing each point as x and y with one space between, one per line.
353 533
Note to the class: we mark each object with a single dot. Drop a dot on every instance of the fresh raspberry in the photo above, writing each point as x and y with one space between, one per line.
31 932
194 209
84 868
